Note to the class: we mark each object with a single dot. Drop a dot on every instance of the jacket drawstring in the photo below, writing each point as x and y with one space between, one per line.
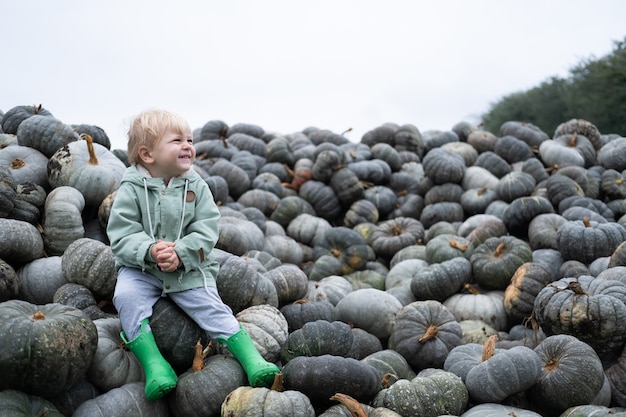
182 221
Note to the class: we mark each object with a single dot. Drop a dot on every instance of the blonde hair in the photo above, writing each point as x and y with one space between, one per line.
148 127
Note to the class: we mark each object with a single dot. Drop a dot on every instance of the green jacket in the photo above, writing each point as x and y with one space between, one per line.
136 223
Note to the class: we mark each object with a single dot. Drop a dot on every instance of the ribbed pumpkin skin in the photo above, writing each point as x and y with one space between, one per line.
572 374
594 411
44 354
519 296
320 377
112 365
486 383
426 396
591 309
424 332
201 392
20 242
13 117
175 333
16 403
587 240
498 410
495 261
318 338
440 280
46 134
258 402
90 262
126 401
62 221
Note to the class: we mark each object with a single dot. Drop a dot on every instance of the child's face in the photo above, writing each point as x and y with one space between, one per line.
172 156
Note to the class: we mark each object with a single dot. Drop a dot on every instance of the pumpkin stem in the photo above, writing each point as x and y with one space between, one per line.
301 301
586 221
17 163
576 288
43 413
499 249
353 406
481 190
199 355
93 160
429 334
37 109
572 141
471 289
458 245
387 378
489 347
277 385
38 316
346 131
395 230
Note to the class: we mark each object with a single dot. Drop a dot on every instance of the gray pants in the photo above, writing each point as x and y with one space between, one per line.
137 291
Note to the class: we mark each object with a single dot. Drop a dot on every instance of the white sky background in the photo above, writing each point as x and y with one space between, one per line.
287 65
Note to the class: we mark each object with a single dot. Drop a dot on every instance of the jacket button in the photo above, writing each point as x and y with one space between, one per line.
167 286
163 235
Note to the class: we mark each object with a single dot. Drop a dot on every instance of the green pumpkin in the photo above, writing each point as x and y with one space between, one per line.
201 390
571 374
176 334
7 191
12 119
113 365
89 167
495 261
320 377
498 410
593 411
586 240
267 327
247 401
26 164
16 403
439 281
241 285
370 309
49 347
129 400
46 134
527 281
485 381
320 337
395 234
20 242
344 244
9 284
591 309
424 332
90 262
62 219
302 311
432 395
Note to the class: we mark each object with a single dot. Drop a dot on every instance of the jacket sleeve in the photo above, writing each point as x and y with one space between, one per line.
128 240
201 233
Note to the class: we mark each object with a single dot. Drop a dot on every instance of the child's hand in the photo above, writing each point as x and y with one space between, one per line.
165 256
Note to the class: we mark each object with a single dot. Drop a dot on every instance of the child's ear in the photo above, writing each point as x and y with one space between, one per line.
145 154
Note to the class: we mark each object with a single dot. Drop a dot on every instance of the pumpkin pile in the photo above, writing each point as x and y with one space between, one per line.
442 273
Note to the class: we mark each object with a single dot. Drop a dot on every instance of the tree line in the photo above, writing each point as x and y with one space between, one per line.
595 90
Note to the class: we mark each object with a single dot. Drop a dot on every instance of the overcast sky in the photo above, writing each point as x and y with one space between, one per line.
287 65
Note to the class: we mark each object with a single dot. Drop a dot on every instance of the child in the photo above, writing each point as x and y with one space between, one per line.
162 229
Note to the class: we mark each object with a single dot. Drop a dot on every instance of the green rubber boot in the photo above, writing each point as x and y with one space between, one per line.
260 372
160 377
